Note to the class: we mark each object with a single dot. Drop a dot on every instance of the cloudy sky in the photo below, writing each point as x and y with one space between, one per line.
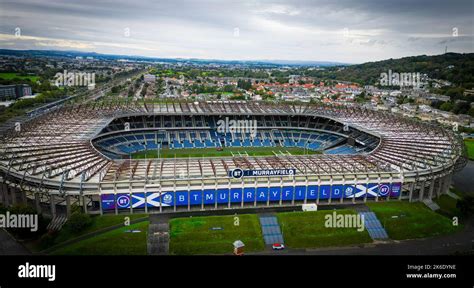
348 31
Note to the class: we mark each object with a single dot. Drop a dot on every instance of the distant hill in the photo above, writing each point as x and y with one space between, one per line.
454 67
57 53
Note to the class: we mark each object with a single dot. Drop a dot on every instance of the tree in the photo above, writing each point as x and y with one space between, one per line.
446 106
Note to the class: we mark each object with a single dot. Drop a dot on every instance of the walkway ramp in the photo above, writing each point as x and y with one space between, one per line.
432 205
271 230
373 226
57 223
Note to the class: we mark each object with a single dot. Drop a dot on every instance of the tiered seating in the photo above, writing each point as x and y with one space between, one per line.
152 140
344 149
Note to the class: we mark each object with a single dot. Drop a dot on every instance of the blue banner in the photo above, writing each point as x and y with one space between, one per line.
249 194
275 193
209 196
262 194
123 201
300 192
312 193
195 197
395 189
166 199
222 196
324 192
287 193
138 200
337 191
236 195
181 198
108 201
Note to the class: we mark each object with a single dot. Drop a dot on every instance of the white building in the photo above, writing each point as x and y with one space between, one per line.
149 78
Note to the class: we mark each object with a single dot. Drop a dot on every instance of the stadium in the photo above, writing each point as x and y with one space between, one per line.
171 157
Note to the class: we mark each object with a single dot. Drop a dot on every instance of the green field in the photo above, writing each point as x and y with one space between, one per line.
191 236
10 76
470 148
307 230
227 151
115 242
447 205
413 220
98 223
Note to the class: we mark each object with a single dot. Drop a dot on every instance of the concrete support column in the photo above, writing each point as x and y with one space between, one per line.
84 204
3 196
439 187
12 195
412 187
37 203
432 184
53 205
447 183
68 206
422 191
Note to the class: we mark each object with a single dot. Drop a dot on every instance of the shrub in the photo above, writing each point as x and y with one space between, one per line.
78 222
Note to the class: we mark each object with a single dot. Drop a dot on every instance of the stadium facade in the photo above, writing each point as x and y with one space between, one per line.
80 155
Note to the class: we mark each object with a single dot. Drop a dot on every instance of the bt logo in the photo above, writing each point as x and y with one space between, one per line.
237 173
383 190
123 201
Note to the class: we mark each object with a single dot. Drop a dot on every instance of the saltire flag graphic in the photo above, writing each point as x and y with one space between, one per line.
152 199
372 190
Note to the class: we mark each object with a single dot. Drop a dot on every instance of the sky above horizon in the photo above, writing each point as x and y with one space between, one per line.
345 31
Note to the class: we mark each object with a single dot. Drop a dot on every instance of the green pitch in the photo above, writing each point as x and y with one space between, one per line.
9 76
403 220
226 152
215 234
115 242
308 230
470 148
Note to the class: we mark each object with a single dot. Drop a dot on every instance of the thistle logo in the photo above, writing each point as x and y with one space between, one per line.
167 198
349 191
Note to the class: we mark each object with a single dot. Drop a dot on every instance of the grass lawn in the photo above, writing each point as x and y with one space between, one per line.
470 148
115 242
212 152
415 220
9 76
191 236
98 222
448 205
307 230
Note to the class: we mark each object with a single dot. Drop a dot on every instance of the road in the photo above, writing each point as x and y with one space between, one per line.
9 246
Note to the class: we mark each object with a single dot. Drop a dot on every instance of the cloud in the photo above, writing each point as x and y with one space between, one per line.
273 29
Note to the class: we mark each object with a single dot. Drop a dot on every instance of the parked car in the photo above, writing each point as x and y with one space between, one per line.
278 246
